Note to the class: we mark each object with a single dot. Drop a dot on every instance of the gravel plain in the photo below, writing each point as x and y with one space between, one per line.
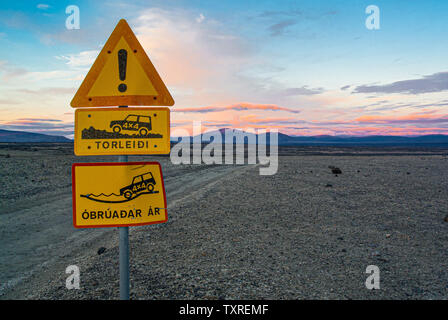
303 233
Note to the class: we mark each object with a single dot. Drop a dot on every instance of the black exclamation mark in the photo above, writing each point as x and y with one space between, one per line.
122 60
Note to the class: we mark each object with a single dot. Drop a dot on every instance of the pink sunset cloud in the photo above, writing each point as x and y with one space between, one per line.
237 107
410 118
218 77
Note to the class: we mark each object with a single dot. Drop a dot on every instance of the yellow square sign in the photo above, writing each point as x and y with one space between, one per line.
118 194
121 131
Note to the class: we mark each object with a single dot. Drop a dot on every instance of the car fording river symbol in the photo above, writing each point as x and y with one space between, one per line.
141 184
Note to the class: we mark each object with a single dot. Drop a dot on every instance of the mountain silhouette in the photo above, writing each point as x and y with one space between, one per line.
322 140
21 136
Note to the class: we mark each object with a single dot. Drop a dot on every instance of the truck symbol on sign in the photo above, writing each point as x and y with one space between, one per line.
141 183
132 122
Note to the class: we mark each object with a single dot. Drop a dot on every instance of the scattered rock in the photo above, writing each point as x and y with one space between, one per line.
93 133
335 170
221 275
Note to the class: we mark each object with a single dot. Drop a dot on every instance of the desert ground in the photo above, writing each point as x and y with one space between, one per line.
303 233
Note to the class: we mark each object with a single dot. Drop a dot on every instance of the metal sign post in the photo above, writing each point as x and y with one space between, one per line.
124 263
124 251
124 254
119 194
121 75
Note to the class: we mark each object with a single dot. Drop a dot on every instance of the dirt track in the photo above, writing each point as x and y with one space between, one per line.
233 234
39 235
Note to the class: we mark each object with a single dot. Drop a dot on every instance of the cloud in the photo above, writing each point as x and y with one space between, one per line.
39 120
206 64
436 82
191 56
17 20
421 118
363 131
277 13
48 91
8 102
237 107
242 122
279 28
9 71
280 20
47 123
24 78
354 127
200 18
303 91
82 59
251 121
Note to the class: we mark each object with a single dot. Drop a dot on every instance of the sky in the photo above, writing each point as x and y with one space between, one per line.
303 67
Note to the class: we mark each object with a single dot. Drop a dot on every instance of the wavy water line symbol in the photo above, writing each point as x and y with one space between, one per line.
101 194
89 196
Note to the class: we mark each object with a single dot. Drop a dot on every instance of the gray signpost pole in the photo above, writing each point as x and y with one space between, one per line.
124 251
124 263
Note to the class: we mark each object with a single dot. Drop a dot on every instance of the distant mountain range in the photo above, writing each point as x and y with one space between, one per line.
20 136
326 140
283 139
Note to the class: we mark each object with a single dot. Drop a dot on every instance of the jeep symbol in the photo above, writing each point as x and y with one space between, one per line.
142 124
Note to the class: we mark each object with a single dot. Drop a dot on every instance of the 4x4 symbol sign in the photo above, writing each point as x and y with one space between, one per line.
133 122
117 131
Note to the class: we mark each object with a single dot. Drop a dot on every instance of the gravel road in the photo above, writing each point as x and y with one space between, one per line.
304 233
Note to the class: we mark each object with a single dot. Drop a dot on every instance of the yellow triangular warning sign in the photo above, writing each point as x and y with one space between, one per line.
122 75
